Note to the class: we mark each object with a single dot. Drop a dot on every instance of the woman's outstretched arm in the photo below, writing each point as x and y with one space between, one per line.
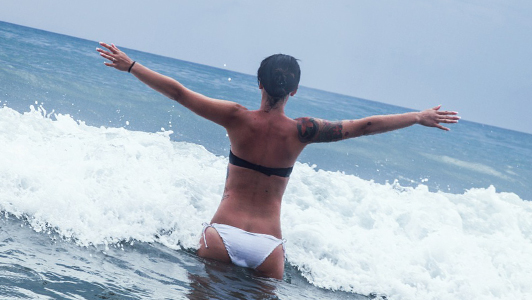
311 130
219 111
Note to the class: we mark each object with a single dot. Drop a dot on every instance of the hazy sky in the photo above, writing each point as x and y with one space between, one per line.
473 56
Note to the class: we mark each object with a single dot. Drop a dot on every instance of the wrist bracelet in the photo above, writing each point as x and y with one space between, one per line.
129 71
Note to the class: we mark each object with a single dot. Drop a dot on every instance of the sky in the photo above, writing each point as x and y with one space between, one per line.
471 56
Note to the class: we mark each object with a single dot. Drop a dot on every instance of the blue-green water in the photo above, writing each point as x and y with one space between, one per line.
104 185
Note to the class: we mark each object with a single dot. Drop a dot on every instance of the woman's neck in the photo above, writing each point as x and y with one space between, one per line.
266 107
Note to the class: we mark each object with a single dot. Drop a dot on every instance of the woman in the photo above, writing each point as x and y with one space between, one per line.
265 144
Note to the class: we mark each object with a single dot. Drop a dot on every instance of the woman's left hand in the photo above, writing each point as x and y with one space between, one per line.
434 116
118 59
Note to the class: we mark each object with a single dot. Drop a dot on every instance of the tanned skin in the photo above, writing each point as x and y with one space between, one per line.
318 131
251 200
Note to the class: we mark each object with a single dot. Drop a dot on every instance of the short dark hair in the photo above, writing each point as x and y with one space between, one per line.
279 75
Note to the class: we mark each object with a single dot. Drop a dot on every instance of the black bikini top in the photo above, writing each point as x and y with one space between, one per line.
239 162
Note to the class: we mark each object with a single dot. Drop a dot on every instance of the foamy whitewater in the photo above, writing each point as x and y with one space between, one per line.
121 192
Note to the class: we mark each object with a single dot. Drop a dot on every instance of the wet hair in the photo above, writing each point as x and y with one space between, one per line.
279 75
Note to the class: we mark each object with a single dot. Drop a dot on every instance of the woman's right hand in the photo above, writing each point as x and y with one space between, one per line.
118 59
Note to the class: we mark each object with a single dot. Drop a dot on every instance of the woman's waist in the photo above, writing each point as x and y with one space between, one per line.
253 218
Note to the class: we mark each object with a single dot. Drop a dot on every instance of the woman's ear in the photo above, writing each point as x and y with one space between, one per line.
260 86
294 91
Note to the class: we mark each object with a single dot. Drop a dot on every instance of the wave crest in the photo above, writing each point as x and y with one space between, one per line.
108 185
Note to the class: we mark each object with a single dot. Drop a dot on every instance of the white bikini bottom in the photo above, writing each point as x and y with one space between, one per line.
246 249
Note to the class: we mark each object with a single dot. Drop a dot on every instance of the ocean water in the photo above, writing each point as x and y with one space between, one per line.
104 185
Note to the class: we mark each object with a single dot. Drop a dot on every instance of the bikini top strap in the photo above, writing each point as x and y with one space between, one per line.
240 162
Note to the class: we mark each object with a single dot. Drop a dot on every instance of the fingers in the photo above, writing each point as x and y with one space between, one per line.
433 117
447 112
112 56
102 51
448 117
114 48
444 112
448 121
442 127
107 56
116 58
111 47
105 45
451 116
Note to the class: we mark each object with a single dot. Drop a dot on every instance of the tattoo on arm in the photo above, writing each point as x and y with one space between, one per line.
310 130
331 131
365 128
307 128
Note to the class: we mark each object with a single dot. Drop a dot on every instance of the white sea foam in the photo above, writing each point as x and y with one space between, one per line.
476 167
109 185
